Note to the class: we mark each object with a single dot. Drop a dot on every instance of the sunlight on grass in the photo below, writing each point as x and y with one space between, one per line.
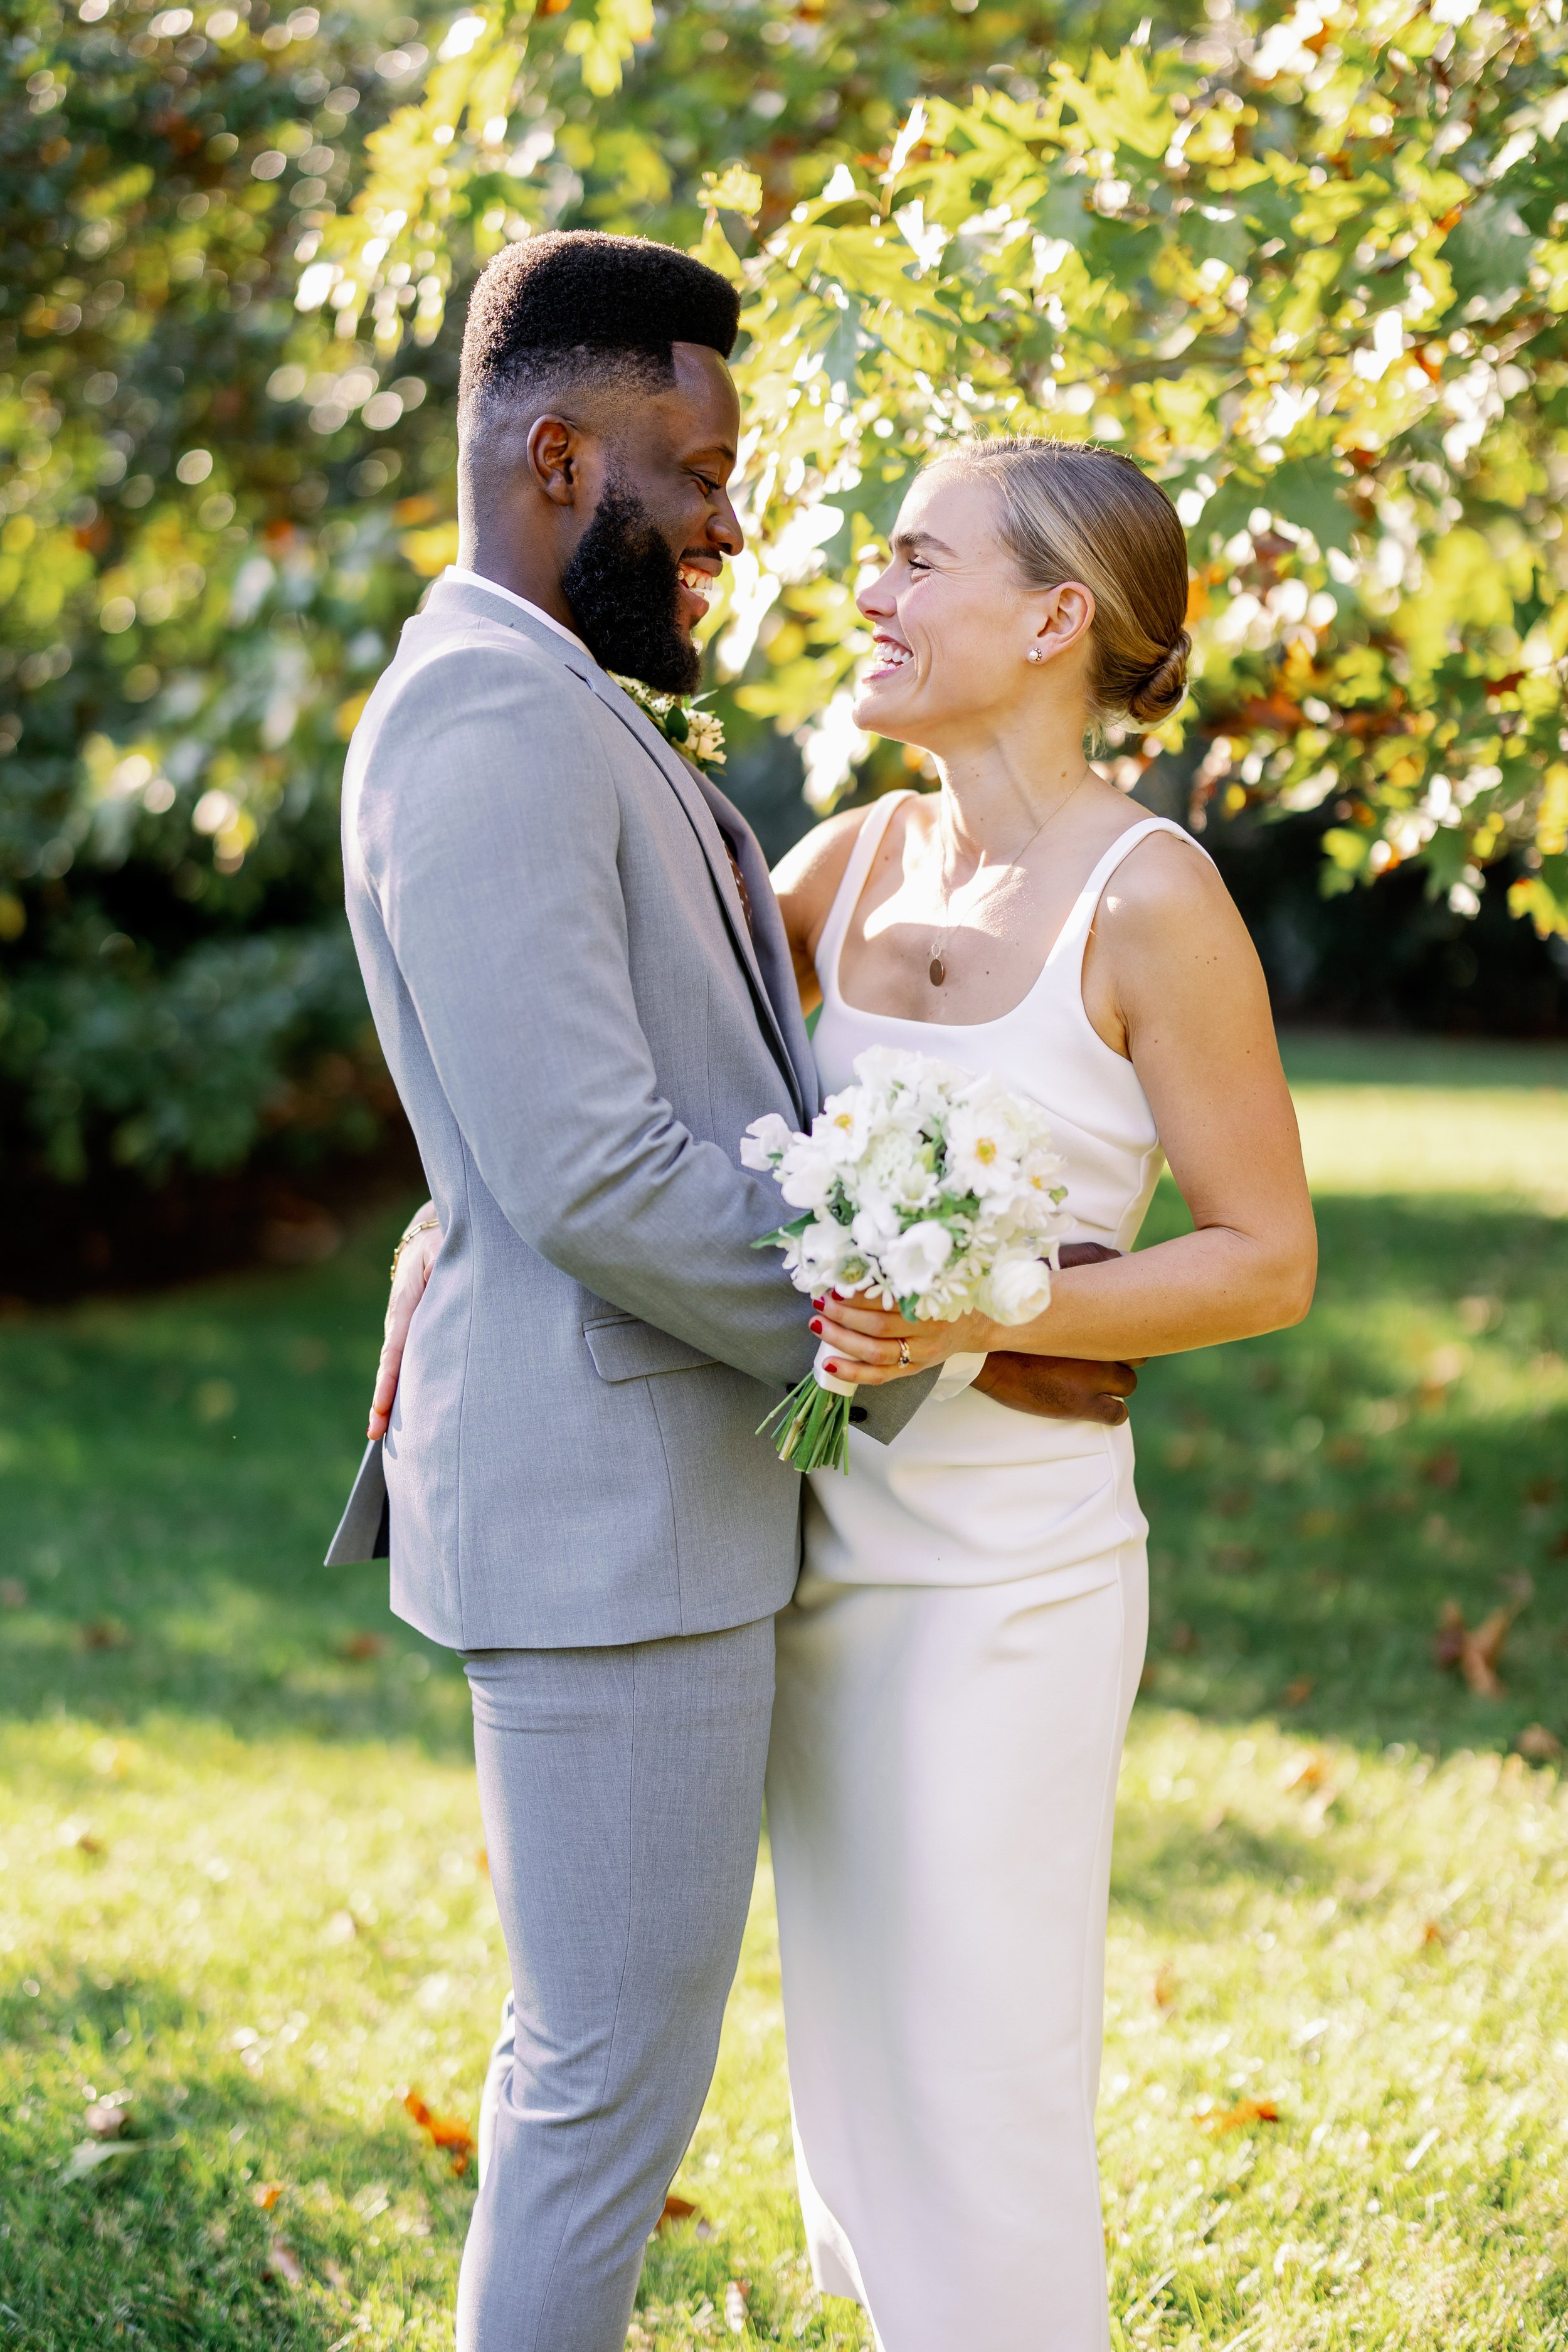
245 1889
1463 1119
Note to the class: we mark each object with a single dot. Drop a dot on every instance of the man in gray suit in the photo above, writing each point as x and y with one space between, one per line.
583 991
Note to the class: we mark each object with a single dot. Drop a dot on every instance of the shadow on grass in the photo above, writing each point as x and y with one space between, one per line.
1316 1496
174 2244
170 1471
1169 1873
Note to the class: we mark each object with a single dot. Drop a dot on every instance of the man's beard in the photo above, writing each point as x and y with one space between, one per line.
623 585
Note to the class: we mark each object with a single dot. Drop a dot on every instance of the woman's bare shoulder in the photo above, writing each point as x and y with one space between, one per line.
820 856
1165 878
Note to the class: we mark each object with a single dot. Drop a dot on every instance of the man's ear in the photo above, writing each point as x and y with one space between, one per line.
553 459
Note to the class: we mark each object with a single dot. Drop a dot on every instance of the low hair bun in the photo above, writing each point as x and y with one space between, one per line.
1164 689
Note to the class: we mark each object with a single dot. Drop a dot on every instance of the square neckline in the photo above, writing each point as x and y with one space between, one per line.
852 889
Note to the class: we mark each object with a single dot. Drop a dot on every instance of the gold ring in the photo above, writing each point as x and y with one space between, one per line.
903 1351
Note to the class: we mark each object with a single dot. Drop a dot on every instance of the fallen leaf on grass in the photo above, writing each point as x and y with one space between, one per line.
482 1860
265 2194
357 1646
1307 1771
1474 1651
448 2132
1538 1745
107 2119
104 1634
1244 2112
283 2262
1432 1934
1296 1693
681 2209
1165 1985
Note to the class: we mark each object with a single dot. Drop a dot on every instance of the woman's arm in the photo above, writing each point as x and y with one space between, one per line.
806 882
1174 976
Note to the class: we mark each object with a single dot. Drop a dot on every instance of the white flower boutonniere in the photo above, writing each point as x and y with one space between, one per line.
696 733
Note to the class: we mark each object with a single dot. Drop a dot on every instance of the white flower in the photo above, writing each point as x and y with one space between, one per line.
1017 1288
843 1125
765 1141
817 1257
989 1136
876 1223
807 1174
913 1261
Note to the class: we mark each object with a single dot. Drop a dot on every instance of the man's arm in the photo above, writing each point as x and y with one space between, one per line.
488 826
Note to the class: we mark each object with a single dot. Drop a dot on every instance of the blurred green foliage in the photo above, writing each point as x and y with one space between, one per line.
1308 266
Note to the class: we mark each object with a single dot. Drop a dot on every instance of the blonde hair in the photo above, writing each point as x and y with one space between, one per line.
1072 512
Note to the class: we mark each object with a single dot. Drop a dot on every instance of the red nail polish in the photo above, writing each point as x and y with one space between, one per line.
816 1325
817 1304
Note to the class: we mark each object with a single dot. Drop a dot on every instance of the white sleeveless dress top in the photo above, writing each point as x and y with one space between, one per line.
971 1491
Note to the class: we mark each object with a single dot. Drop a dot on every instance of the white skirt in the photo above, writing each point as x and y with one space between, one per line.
941 1792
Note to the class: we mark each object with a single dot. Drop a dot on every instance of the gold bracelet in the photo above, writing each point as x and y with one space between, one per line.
425 1225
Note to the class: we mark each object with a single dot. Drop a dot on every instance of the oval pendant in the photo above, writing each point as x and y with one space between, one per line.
938 972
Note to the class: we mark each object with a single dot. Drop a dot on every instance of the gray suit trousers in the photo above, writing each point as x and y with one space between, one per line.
621 1788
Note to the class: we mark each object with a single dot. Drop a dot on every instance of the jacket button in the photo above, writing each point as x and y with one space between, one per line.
857 1413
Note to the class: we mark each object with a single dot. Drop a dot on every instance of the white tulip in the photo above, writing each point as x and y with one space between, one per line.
913 1261
765 1141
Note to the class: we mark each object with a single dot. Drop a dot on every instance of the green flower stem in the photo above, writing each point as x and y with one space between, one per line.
813 1426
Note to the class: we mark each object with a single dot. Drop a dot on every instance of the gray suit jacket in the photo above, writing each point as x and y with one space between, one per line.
580 1025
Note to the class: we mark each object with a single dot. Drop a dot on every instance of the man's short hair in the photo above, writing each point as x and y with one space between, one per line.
576 306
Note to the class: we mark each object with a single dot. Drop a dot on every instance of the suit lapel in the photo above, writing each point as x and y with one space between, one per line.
769 937
775 994
694 794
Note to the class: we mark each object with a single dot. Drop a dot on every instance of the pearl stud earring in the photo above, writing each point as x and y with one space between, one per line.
1033 653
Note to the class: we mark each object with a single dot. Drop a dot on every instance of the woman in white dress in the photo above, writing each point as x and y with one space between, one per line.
955 1674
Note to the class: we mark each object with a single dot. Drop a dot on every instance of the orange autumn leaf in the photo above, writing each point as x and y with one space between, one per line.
1310 1772
681 2209
1165 1985
1244 2112
265 2194
363 1646
448 2132
1432 1934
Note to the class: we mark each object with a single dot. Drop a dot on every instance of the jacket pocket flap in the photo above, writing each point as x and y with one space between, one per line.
624 1348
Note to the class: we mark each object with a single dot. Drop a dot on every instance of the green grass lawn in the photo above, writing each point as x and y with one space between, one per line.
241 1883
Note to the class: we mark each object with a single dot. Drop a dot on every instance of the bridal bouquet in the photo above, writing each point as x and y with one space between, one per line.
921 1186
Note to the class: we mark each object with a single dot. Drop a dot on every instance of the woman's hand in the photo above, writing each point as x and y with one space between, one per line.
871 1344
415 1256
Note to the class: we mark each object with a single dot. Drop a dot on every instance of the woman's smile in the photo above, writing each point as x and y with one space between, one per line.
889 656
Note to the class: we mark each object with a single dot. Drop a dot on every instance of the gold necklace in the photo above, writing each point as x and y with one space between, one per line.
936 969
